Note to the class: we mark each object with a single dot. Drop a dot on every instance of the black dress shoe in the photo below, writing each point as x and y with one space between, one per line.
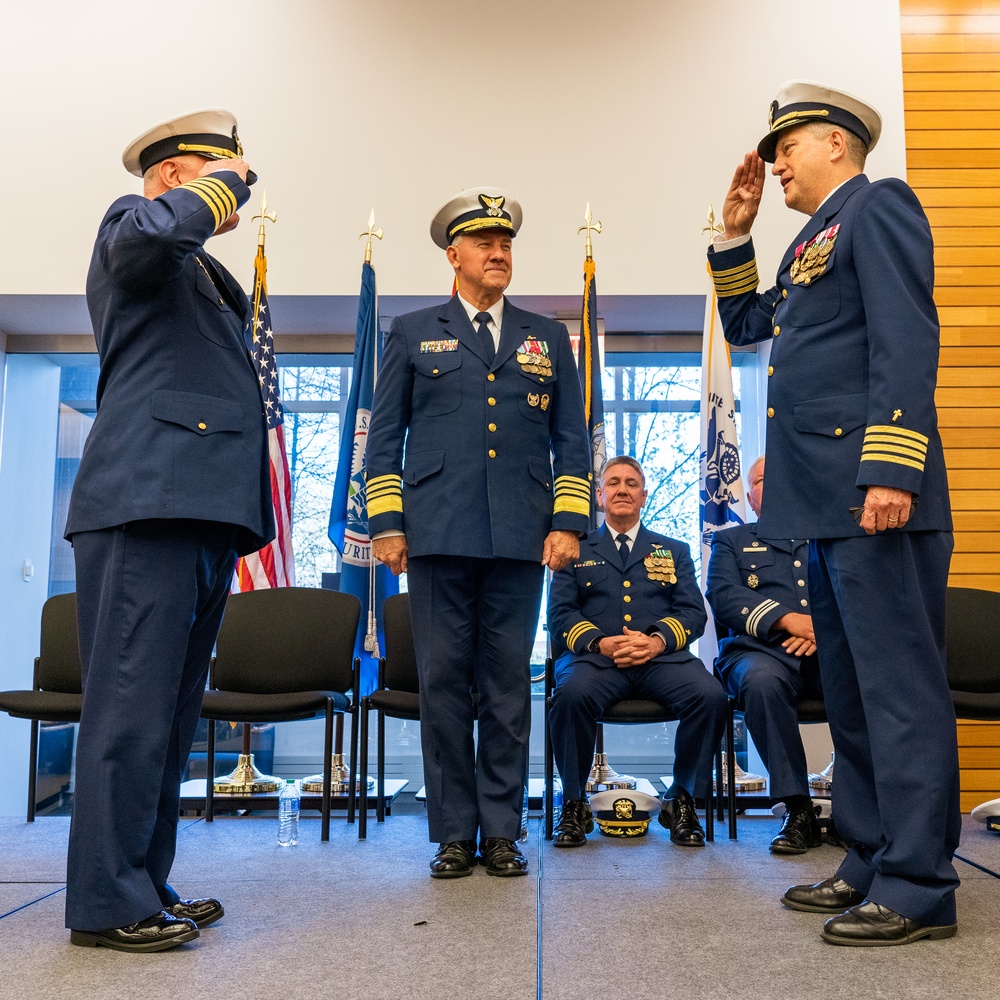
832 895
501 857
202 911
870 925
678 815
799 831
155 933
574 824
454 859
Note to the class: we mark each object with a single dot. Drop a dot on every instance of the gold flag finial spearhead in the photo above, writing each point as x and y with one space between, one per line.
589 227
265 216
371 232
712 228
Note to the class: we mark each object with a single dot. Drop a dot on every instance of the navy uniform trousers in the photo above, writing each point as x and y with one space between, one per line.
150 599
474 624
878 611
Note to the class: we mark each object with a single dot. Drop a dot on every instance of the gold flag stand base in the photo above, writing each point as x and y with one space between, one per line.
602 775
340 779
744 781
822 781
246 779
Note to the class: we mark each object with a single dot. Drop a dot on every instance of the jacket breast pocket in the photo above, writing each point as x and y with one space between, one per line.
201 414
751 562
216 321
832 416
817 301
437 383
592 586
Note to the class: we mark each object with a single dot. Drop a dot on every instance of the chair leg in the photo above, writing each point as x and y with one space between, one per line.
731 767
380 768
210 774
352 787
327 775
32 770
710 814
363 778
549 792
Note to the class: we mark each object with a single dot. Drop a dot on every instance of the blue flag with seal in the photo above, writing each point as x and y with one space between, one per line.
370 582
720 480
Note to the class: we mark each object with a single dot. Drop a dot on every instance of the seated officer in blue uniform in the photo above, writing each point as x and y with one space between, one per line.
759 590
852 446
173 484
494 487
626 612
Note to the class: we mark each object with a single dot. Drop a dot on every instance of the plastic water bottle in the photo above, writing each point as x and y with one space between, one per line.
557 799
288 814
524 817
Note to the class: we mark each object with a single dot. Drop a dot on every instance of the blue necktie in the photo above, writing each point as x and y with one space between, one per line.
623 548
483 319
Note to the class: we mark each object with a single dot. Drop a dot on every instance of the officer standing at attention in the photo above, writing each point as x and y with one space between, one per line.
173 484
626 612
494 487
760 591
852 443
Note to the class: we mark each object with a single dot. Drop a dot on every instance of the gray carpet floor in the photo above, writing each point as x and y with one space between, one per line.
358 920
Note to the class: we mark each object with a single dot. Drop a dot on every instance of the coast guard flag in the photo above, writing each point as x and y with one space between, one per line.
721 480
589 364
273 565
370 582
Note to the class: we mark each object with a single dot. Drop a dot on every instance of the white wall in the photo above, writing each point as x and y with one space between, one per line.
27 471
345 106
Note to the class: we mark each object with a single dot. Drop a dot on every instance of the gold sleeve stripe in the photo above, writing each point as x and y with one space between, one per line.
216 195
910 444
678 631
915 453
385 495
579 629
572 496
878 456
756 616
894 431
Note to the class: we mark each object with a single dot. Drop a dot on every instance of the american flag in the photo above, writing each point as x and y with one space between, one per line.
273 565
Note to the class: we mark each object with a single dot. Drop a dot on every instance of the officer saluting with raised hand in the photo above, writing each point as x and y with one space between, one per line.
852 443
174 483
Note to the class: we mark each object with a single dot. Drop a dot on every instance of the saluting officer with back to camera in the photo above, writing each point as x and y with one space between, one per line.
173 484
852 445
494 487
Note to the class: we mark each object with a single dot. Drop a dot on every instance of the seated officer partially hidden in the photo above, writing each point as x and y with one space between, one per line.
759 590
626 611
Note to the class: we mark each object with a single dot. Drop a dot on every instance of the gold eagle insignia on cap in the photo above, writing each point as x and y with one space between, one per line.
493 206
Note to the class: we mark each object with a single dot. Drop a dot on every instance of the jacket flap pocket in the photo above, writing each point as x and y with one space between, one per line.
198 413
834 416
540 470
422 465
439 363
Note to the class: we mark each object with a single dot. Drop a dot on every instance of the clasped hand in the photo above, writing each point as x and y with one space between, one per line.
632 649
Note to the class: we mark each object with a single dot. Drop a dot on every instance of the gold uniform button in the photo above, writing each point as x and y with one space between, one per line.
777 330
491 401
804 603
626 599
588 584
797 564
492 453
436 371
203 427
770 369
838 432
801 583
493 427
626 583
784 293
770 411
628 618
491 377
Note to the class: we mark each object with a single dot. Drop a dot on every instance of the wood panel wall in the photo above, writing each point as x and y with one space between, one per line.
951 93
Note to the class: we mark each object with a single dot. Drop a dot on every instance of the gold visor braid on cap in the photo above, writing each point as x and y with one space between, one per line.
217 151
795 115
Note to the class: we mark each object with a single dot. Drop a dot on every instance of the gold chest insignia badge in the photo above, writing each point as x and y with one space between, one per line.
532 399
812 257
753 581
